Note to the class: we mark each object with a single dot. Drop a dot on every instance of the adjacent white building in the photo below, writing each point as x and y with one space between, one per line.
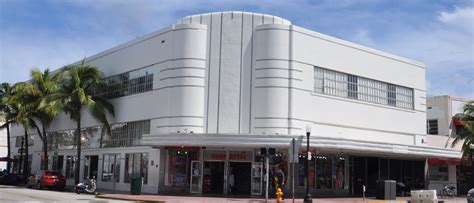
3 144
442 129
196 101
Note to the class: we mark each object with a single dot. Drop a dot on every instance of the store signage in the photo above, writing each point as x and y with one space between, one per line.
240 156
233 155
214 155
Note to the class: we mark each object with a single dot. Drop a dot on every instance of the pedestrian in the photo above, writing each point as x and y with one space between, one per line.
231 181
280 180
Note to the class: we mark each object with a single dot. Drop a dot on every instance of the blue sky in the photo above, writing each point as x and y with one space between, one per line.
53 33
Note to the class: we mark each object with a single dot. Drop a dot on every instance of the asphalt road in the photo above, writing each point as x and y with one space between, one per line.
21 194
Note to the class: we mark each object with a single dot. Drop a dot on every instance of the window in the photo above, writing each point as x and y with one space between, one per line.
70 166
58 163
392 95
128 83
122 134
65 139
177 166
31 140
432 126
111 168
354 87
136 165
126 134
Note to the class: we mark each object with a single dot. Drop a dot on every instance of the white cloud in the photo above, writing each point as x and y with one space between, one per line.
460 17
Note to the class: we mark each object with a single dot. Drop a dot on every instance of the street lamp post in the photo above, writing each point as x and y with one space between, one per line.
308 197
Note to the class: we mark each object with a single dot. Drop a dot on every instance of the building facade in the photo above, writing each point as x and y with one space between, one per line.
195 102
442 129
3 144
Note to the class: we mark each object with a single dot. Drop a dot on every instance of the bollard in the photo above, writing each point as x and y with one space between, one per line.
279 195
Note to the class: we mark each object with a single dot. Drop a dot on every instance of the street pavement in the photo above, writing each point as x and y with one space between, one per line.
20 194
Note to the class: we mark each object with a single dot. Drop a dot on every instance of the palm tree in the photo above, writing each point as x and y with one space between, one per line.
22 112
6 110
467 135
41 85
78 87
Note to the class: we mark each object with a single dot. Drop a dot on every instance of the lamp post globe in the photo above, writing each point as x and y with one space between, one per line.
307 197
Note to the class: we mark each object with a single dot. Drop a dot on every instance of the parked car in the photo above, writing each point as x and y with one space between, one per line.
11 179
470 196
47 179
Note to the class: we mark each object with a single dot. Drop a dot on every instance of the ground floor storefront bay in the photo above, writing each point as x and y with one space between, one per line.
216 171
238 171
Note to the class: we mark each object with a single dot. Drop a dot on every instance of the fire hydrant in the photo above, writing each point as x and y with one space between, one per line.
279 195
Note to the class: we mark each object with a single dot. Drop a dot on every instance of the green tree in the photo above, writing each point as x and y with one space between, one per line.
6 110
467 135
22 112
35 91
78 87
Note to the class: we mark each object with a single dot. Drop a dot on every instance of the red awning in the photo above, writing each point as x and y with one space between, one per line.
440 161
6 159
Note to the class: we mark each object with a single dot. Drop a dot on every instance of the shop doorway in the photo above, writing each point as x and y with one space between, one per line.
359 175
242 176
91 166
213 179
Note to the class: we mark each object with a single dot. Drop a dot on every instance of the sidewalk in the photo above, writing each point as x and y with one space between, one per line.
198 199
191 199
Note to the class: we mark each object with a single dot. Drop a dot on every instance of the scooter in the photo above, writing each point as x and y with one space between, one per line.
88 187
449 190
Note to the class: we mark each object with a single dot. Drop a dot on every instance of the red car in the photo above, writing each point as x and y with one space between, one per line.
47 179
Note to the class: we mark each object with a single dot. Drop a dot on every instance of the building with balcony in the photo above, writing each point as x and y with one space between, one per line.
196 101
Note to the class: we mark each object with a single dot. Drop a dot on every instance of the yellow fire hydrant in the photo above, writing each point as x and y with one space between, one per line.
279 195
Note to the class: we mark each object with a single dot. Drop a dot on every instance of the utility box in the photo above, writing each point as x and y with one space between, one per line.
386 189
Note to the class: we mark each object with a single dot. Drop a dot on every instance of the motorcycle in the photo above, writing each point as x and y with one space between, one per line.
449 190
88 187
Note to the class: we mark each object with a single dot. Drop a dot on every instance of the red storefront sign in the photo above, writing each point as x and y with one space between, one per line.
222 155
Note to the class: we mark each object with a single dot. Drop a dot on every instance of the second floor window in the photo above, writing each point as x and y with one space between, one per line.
128 83
359 88
432 126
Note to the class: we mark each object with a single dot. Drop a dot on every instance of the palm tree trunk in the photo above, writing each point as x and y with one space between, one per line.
78 142
25 161
8 147
45 148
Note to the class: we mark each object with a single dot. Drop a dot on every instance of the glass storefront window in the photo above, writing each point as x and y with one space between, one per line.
325 172
178 162
70 166
111 167
136 165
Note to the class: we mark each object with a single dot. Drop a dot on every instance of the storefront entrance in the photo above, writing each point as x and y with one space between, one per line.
213 177
91 166
241 172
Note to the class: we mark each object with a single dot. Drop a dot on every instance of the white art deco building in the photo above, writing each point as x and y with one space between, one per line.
196 101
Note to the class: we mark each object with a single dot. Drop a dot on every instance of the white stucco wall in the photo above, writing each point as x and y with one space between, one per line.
237 72
3 145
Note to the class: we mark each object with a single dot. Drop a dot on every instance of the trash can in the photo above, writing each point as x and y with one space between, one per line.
386 189
136 186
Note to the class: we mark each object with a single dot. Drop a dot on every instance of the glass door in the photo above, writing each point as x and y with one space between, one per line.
256 178
196 177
